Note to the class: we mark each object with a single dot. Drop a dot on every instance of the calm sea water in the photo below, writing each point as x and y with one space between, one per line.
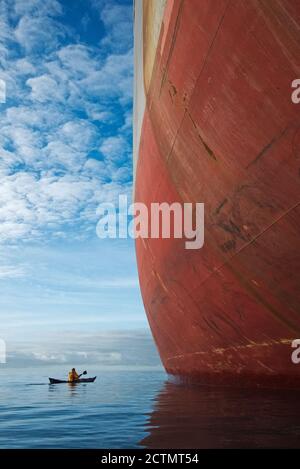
134 409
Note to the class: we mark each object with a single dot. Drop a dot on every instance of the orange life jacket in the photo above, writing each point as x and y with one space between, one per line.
73 376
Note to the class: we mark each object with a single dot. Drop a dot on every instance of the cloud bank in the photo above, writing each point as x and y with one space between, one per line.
120 349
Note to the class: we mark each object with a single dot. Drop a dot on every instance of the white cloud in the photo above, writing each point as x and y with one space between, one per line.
36 116
25 141
5 32
37 7
79 134
79 60
10 231
127 121
114 80
61 154
56 167
39 34
132 348
114 148
24 67
118 22
98 113
45 88
10 272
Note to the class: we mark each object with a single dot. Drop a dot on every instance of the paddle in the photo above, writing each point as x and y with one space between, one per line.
83 373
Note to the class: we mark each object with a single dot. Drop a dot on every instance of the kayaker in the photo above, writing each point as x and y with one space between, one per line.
73 375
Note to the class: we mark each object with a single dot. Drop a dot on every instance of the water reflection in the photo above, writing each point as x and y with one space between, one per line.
205 417
73 389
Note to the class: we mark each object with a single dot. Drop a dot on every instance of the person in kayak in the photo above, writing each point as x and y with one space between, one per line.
73 375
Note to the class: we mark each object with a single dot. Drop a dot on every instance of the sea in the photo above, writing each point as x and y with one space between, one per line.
141 408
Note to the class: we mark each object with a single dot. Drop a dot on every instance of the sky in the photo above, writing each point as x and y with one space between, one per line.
65 147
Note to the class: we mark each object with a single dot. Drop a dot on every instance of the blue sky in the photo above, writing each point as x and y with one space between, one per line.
65 147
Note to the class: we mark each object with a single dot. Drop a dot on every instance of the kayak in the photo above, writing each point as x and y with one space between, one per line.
80 380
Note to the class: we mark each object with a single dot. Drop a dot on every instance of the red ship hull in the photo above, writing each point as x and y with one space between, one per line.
218 126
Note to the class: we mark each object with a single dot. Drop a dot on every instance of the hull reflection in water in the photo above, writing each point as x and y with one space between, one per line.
213 417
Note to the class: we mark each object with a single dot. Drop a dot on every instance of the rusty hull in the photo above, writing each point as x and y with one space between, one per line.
219 127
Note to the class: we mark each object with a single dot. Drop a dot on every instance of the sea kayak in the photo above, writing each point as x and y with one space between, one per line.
81 380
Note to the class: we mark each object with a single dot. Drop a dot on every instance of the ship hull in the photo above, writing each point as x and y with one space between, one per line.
218 126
